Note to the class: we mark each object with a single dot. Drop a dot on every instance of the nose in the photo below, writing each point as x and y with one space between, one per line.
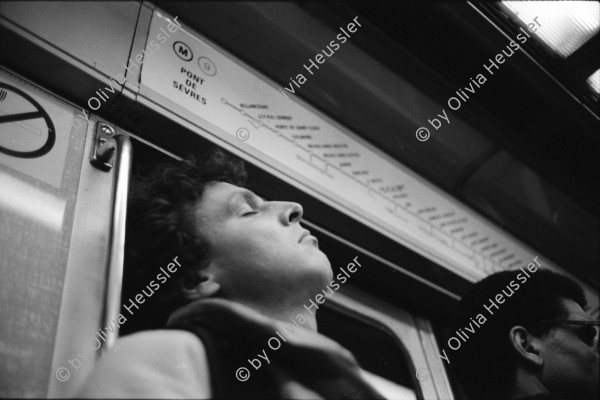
292 212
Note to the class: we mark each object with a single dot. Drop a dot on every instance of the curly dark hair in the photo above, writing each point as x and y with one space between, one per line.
485 361
161 226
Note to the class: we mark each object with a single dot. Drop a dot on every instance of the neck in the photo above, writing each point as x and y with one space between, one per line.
288 314
526 384
304 319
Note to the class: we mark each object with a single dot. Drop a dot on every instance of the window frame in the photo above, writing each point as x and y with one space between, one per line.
414 334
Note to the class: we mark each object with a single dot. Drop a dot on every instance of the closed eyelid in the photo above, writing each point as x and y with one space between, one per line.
239 202
242 199
252 200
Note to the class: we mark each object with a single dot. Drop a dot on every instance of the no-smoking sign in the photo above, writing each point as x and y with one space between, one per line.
26 130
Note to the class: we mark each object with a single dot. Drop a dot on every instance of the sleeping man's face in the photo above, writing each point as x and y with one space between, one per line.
259 253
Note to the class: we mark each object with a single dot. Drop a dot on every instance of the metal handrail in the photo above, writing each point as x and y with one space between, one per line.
117 238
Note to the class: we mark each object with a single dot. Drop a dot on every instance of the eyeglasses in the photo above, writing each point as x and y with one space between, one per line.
588 333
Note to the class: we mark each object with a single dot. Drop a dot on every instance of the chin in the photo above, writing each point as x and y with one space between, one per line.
327 271
322 267
316 268
325 263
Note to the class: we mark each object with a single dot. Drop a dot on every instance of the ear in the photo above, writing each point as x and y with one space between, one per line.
198 284
526 346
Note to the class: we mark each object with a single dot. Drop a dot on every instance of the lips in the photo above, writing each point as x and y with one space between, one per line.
305 233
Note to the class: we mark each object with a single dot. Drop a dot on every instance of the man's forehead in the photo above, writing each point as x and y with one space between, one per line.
574 310
222 189
227 190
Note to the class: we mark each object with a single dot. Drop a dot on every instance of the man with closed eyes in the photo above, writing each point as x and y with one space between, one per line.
247 264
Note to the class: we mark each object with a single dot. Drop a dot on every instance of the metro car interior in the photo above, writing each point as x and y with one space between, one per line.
507 174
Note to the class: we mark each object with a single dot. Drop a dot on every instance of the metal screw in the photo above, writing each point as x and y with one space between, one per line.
107 130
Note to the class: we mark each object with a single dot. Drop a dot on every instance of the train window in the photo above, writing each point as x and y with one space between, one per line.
375 348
